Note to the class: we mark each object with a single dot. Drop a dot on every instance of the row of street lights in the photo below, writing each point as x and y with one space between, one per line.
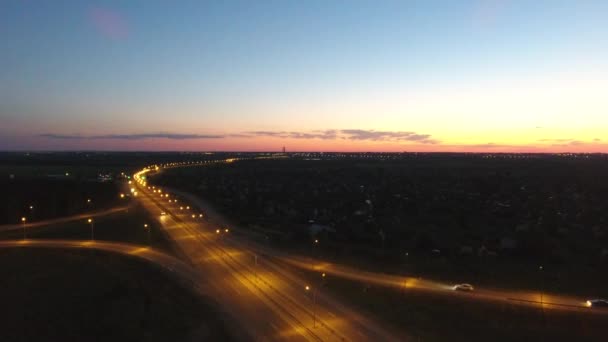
309 288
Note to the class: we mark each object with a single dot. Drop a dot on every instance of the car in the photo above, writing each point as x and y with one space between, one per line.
597 303
163 213
463 287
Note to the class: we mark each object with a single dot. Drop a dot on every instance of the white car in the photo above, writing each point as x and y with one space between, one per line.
463 287
163 213
597 303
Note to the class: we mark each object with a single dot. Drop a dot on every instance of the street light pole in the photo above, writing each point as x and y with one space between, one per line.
90 221
312 250
542 289
148 229
314 304
23 219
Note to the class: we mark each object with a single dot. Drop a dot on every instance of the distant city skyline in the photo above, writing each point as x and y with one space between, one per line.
454 76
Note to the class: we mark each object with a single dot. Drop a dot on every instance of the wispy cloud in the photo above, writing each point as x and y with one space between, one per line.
399 136
173 136
565 141
317 134
491 145
329 134
351 134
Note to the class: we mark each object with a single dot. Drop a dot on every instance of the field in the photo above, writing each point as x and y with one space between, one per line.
126 226
434 317
93 296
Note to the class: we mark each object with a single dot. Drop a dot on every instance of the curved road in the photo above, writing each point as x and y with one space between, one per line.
269 299
549 301
17 226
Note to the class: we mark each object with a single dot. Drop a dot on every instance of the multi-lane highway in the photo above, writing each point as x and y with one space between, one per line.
549 301
268 299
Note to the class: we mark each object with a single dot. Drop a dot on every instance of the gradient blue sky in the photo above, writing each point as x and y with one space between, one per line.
312 75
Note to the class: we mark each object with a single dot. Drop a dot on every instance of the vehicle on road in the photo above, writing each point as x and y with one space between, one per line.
463 287
597 303
163 213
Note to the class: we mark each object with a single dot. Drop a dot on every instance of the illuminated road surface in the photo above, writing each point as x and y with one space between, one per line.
169 263
35 224
268 299
550 301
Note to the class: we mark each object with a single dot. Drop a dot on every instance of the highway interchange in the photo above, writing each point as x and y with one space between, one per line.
257 286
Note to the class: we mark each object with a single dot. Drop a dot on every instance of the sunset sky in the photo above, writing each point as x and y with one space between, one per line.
499 76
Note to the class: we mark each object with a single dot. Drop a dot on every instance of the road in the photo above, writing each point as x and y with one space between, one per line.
77 217
269 300
169 263
548 301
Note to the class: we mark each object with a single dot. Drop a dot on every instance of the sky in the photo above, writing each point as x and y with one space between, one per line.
474 76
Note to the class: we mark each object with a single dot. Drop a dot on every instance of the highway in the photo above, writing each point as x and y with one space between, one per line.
269 300
538 298
550 301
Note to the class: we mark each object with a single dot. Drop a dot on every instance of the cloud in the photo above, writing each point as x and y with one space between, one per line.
329 134
492 145
317 134
172 136
109 23
373 135
562 142
556 140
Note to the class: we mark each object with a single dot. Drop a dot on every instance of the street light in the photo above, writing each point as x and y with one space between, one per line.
542 289
23 219
147 229
312 252
92 224
314 303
